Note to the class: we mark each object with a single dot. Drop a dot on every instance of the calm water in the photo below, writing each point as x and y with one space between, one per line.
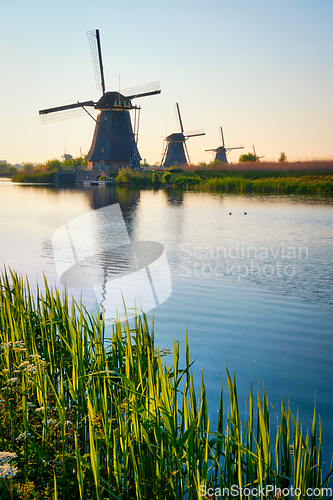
254 290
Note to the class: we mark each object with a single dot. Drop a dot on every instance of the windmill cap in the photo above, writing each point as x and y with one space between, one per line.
177 137
108 99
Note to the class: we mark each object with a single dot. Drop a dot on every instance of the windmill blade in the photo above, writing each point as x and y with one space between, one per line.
254 150
195 135
230 149
180 118
164 150
211 149
68 106
223 144
64 112
142 90
96 53
188 156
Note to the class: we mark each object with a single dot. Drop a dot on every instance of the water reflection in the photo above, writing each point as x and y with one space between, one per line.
274 328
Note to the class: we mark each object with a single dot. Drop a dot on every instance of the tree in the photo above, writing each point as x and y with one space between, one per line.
11 170
28 167
248 157
283 157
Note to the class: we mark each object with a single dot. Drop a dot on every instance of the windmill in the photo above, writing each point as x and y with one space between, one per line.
255 154
175 151
222 151
114 143
66 156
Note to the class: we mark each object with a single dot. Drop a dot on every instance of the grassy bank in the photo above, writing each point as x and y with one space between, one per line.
257 183
265 166
84 417
236 182
35 177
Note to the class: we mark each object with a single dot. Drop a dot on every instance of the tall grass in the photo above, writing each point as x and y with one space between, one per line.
109 418
264 166
311 184
35 177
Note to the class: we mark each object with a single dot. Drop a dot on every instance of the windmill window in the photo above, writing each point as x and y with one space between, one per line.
127 104
102 150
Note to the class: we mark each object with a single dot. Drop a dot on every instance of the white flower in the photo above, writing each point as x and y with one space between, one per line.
8 471
42 408
35 356
31 368
23 436
6 345
163 352
5 370
25 363
5 456
12 380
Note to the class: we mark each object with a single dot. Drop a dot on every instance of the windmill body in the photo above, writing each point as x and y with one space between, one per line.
222 151
175 151
221 154
114 142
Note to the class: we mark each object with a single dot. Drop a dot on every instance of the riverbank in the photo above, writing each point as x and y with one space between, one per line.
260 183
84 416
233 182
34 177
258 177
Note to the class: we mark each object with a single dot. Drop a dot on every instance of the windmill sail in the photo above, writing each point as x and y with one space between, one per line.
142 91
96 54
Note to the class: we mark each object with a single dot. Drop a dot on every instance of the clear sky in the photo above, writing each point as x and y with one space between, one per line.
261 69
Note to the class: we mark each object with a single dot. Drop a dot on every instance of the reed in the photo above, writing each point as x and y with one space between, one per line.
110 418
310 184
33 177
315 165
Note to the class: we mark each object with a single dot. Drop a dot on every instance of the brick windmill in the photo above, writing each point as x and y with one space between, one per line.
114 142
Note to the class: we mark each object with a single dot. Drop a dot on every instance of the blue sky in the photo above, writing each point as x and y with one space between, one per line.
262 70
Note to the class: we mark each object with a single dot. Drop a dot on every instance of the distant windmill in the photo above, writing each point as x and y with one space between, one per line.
66 156
114 142
175 151
255 154
222 151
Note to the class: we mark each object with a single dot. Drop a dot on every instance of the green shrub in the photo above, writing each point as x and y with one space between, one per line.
249 157
166 177
187 181
174 169
155 179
